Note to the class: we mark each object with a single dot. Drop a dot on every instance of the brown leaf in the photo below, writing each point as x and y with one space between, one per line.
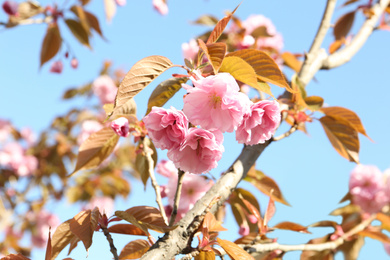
85 2
61 238
324 223
139 76
205 255
342 136
51 43
287 225
221 25
348 115
233 250
164 92
375 234
15 257
215 53
336 45
93 22
126 229
260 31
212 224
314 103
291 61
266 184
78 10
343 25
351 249
248 239
145 217
83 225
129 108
265 67
142 164
208 20
73 244
109 9
96 149
135 249
346 210
349 2
78 31
48 247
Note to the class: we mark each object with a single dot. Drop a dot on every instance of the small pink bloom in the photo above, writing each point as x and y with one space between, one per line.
104 87
56 67
260 123
105 204
74 63
190 50
120 2
244 230
121 126
161 6
10 7
166 168
166 127
387 248
215 103
88 127
367 188
199 152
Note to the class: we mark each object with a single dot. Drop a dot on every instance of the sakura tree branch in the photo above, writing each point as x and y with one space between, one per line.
344 55
177 197
286 134
155 185
111 242
180 238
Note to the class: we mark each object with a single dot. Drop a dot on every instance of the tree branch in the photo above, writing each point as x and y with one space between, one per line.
344 55
177 197
111 242
178 239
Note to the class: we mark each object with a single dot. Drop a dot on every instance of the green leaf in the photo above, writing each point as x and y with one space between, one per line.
51 43
78 31
164 92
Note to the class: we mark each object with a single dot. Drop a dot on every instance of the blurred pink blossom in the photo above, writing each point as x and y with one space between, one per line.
190 50
166 168
88 127
42 221
120 2
166 127
105 204
387 248
104 87
244 230
28 135
215 103
121 126
74 63
246 42
199 152
5 130
10 7
160 6
260 123
56 67
367 188
13 156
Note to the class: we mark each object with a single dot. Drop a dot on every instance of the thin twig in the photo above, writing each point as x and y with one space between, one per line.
155 185
177 197
286 134
111 242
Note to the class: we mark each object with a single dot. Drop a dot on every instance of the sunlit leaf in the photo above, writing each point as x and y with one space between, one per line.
265 67
343 25
129 108
346 210
51 43
127 229
219 27
15 257
336 45
385 220
260 31
73 244
78 31
248 239
135 249
266 184
215 52
212 224
342 136
348 115
287 225
83 225
145 217
139 76
375 234
61 238
78 10
164 92
314 103
96 149
208 20
291 61
205 255
48 247
109 9
233 250
270 211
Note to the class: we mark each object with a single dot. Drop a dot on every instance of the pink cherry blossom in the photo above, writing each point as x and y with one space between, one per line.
244 230
190 50
166 127
200 151
104 87
161 6
120 2
260 123
74 63
387 248
56 67
386 176
5 130
14 157
10 7
367 188
166 168
42 221
121 126
88 127
105 204
28 135
215 103
246 42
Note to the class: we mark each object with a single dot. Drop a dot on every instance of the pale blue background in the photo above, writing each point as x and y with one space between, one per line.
312 176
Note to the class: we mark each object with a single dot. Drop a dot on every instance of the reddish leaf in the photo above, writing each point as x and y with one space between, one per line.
291 61
270 211
233 250
286 225
83 225
343 25
324 223
215 53
126 229
61 238
218 29
205 255
212 224
15 257
342 136
51 43
73 244
336 45
375 234
135 249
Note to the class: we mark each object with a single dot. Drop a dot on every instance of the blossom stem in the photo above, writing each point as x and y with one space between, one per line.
153 179
286 134
111 242
177 197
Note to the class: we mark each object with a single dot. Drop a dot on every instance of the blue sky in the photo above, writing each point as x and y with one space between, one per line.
312 176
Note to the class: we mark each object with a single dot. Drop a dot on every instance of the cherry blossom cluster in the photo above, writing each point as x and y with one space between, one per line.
369 188
214 104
